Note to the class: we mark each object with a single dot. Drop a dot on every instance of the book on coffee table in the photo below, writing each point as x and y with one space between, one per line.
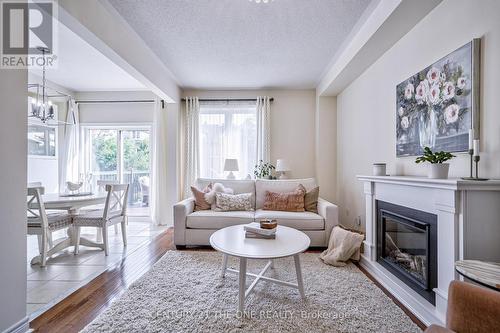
256 229
249 234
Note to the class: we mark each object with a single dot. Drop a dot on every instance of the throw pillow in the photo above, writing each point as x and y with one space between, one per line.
230 202
216 188
199 198
311 200
289 202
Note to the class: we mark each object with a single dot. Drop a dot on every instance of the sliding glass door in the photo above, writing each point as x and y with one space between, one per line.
121 154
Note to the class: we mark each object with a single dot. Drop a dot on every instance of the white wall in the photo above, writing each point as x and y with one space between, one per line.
366 108
326 147
122 113
292 125
13 149
44 170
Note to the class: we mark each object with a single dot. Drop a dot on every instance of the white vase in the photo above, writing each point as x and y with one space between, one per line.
427 129
439 170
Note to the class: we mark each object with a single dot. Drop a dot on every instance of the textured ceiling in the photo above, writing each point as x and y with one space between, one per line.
215 44
81 67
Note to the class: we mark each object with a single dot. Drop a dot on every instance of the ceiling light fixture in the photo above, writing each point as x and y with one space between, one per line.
41 107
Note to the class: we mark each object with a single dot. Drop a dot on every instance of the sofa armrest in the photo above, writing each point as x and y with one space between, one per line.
330 213
181 210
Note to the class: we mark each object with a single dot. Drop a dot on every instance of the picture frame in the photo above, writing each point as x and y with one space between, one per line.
437 106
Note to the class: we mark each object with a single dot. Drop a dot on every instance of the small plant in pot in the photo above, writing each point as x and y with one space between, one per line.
263 170
438 169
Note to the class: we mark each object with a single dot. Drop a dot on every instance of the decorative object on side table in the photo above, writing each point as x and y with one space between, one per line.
379 169
282 167
436 107
231 164
438 169
484 273
264 170
474 157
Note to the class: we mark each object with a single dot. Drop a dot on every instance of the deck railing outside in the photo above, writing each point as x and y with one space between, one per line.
138 194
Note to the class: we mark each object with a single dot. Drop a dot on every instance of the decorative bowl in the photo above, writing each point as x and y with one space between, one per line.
268 224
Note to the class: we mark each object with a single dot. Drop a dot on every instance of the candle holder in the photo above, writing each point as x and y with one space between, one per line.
476 160
471 153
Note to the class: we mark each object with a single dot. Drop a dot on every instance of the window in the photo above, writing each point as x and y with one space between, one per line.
41 140
227 130
120 154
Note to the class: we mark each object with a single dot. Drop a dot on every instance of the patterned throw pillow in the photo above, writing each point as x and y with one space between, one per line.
311 200
229 202
199 198
288 202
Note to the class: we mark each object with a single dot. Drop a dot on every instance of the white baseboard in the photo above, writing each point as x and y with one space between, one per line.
422 309
22 326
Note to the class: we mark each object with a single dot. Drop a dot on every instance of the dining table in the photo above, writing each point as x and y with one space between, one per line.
72 203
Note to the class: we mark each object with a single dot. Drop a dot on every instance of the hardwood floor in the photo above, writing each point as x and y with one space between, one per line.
77 310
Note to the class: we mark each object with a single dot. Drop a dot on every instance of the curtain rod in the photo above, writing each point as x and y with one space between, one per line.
229 99
117 101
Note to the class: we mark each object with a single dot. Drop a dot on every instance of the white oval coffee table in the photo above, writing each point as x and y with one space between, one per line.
231 241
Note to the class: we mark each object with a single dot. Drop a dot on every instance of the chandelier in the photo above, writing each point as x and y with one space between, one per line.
41 107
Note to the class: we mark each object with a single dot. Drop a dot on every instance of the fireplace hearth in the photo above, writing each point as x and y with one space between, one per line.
407 246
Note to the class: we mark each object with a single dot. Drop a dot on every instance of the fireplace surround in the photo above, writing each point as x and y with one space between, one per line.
467 228
407 246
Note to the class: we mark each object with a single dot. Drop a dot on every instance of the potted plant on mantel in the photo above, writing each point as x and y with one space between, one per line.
438 169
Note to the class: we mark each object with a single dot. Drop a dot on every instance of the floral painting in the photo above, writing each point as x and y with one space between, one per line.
434 106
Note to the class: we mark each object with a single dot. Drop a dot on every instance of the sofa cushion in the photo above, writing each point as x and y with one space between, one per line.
297 220
311 200
288 201
233 202
238 186
200 203
287 185
209 219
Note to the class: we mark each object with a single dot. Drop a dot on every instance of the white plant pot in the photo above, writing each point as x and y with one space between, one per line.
439 170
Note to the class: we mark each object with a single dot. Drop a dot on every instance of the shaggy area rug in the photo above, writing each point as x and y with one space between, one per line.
184 292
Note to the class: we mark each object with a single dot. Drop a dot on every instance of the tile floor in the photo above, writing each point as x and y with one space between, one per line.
66 272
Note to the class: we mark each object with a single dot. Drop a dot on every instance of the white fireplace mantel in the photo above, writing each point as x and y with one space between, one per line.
468 215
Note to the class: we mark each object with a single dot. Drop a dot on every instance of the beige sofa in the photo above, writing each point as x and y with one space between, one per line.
195 228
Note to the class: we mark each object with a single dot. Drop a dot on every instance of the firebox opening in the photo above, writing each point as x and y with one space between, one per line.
407 246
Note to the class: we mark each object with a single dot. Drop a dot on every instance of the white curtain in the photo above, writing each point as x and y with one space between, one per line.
263 129
227 130
160 211
70 166
191 132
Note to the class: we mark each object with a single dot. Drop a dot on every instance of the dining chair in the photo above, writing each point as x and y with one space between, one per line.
114 212
42 223
101 187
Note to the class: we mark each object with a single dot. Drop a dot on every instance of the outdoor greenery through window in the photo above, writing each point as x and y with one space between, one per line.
120 155
227 130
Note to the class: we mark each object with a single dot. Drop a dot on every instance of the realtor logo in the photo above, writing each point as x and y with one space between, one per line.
27 28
